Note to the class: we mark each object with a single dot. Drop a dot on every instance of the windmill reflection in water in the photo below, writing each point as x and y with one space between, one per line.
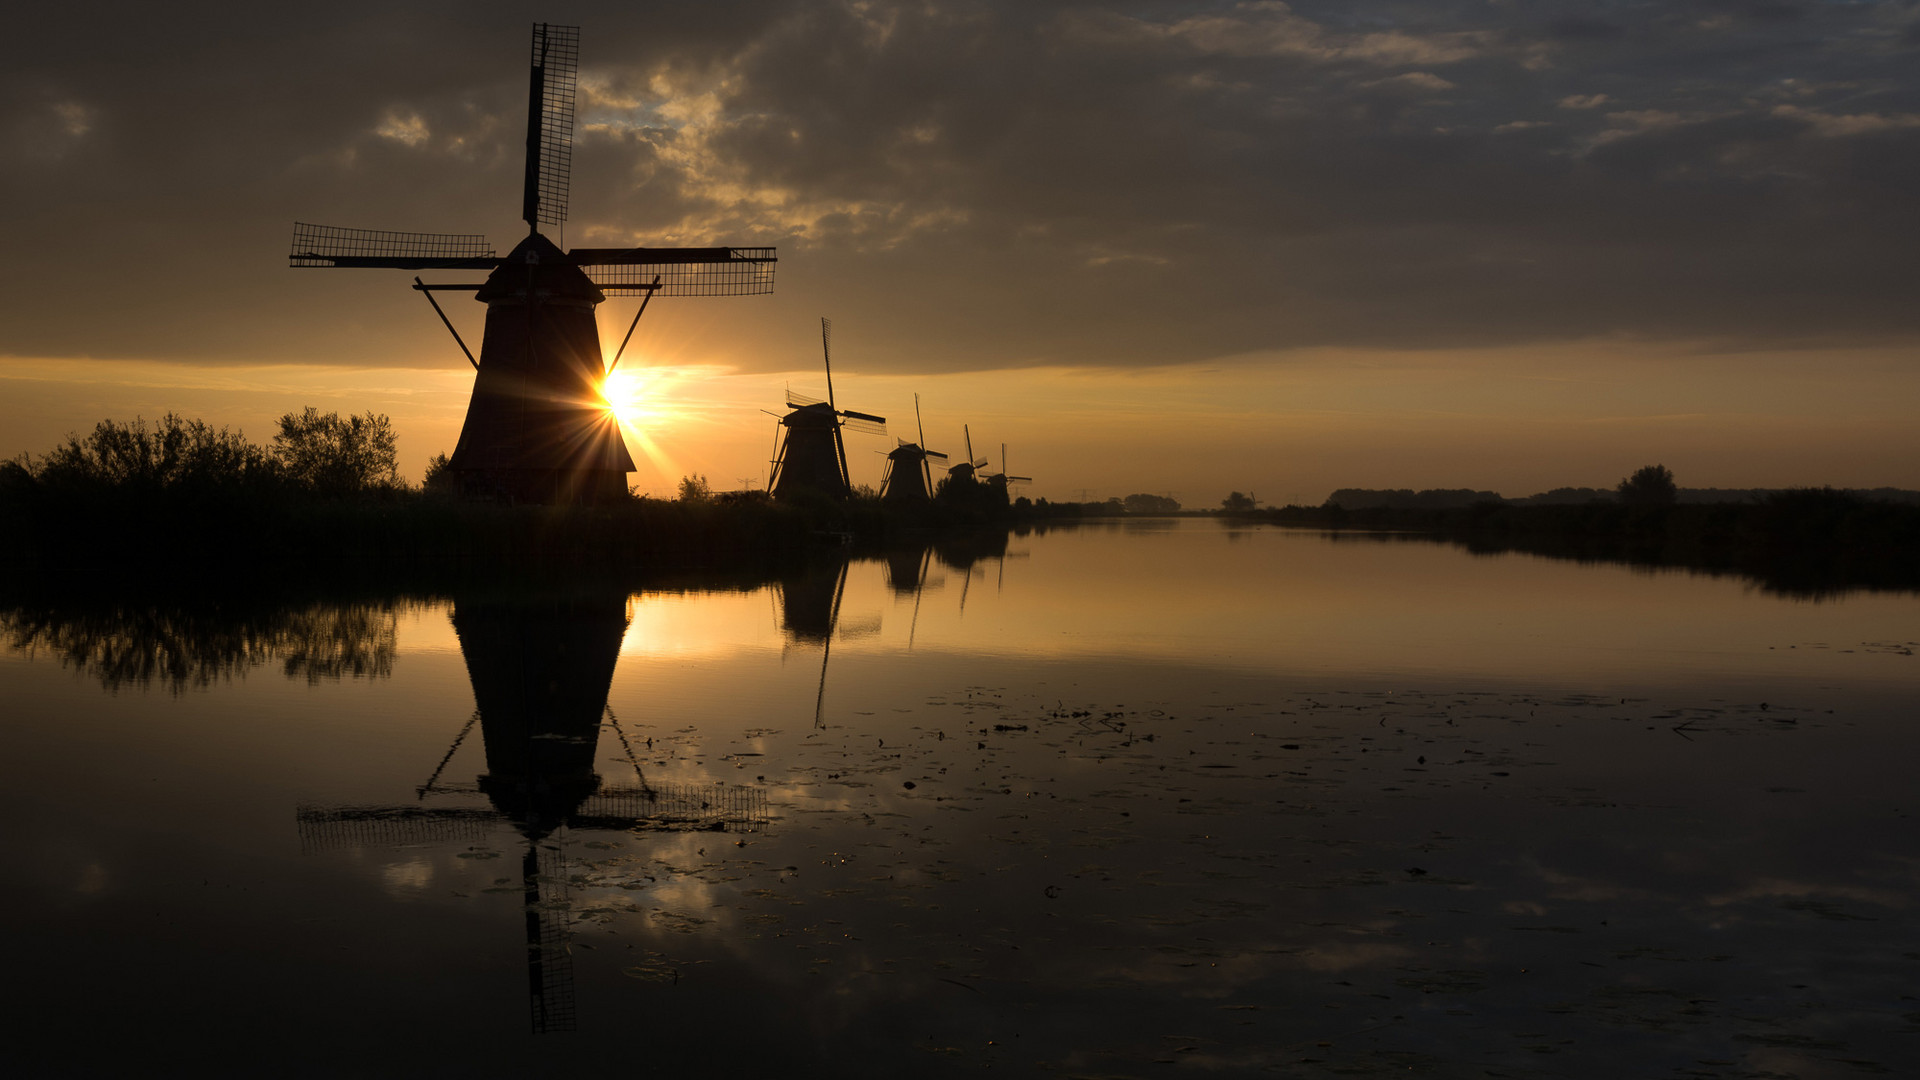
541 666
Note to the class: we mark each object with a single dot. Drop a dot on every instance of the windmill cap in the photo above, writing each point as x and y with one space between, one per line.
552 271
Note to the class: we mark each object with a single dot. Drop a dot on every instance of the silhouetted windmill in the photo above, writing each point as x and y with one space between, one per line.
1000 480
538 427
966 472
908 478
813 456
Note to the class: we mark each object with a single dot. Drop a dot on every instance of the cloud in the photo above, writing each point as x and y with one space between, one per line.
995 183
1425 81
409 128
1830 125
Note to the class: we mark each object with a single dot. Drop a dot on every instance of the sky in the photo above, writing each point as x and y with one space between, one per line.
1150 247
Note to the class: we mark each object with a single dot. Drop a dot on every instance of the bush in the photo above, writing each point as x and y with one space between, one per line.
1652 485
174 455
694 488
332 456
437 477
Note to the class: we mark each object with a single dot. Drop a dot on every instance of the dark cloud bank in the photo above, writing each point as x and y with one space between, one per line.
998 183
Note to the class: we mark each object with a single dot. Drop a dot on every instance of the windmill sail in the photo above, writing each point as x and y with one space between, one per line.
550 98
863 422
332 245
681 271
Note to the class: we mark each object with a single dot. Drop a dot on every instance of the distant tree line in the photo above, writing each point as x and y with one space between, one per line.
1652 485
1805 542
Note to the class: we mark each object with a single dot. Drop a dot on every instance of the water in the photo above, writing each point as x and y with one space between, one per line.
1105 802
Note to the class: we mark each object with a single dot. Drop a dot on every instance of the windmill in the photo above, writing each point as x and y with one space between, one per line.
908 479
813 456
541 668
538 427
999 481
967 471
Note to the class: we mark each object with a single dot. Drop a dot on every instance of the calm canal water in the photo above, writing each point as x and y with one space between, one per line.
1115 801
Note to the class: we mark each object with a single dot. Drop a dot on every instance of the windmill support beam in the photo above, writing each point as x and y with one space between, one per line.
425 291
644 301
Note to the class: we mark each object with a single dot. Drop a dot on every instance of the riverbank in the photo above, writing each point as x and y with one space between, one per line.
1809 542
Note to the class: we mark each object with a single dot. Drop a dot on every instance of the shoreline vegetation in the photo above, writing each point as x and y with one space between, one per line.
180 498
1808 543
180 495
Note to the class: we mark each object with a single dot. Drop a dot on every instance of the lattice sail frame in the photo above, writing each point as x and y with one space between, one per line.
556 55
332 245
682 272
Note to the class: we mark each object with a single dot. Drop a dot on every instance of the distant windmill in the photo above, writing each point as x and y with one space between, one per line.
538 427
999 481
908 478
967 471
813 456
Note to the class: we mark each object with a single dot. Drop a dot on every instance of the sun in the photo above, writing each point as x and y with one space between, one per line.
639 398
642 400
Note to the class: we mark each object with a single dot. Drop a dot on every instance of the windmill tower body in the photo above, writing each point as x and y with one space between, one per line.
538 428
907 479
811 456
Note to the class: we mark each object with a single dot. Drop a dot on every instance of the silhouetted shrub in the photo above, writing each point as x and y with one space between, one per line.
335 456
437 478
176 456
1652 485
694 488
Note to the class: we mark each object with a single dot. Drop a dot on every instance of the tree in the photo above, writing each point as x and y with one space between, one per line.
333 456
173 455
1152 504
1652 485
1237 503
694 488
437 477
